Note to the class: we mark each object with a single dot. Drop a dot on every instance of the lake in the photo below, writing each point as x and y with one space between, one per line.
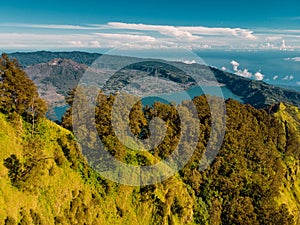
178 97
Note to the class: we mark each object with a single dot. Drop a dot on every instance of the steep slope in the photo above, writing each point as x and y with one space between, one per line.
290 190
253 180
255 177
60 188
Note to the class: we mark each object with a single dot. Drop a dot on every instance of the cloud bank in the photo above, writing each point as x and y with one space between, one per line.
134 35
245 72
295 59
291 77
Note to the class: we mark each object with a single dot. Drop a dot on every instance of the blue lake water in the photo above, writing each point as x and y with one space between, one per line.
178 97
57 113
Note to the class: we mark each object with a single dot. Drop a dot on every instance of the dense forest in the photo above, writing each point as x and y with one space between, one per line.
46 179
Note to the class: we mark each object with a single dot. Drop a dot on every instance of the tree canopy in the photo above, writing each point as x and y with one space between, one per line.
18 94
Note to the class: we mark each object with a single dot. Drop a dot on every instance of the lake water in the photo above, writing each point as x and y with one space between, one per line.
178 97
57 113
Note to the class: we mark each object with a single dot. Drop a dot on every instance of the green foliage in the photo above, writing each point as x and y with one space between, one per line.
10 221
15 169
18 93
246 178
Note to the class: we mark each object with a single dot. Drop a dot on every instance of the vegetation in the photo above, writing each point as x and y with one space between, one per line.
44 178
18 94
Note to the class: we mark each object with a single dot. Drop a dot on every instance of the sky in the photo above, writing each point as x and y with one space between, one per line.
65 24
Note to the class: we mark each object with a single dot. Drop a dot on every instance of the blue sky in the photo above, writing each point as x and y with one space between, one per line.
258 24
255 13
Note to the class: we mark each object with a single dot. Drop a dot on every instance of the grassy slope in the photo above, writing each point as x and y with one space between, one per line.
50 193
74 194
290 191
71 192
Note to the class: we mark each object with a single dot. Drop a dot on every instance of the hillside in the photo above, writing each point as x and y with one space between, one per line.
55 78
61 188
244 185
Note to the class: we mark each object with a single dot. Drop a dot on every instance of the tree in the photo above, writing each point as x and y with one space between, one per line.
15 169
18 93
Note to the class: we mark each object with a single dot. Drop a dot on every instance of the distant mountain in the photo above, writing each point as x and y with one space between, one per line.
295 88
257 93
33 58
55 78
57 72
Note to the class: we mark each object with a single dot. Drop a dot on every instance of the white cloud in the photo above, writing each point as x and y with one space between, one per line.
206 46
187 31
275 77
165 30
259 76
189 61
268 45
291 77
295 59
273 38
29 40
223 68
49 41
237 32
52 26
125 37
95 44
235 65
76 43
298 82
283 46
244 73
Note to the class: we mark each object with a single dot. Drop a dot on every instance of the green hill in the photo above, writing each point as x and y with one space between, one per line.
246 182
61 188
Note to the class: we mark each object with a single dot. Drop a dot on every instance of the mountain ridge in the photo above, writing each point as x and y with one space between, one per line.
257 93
